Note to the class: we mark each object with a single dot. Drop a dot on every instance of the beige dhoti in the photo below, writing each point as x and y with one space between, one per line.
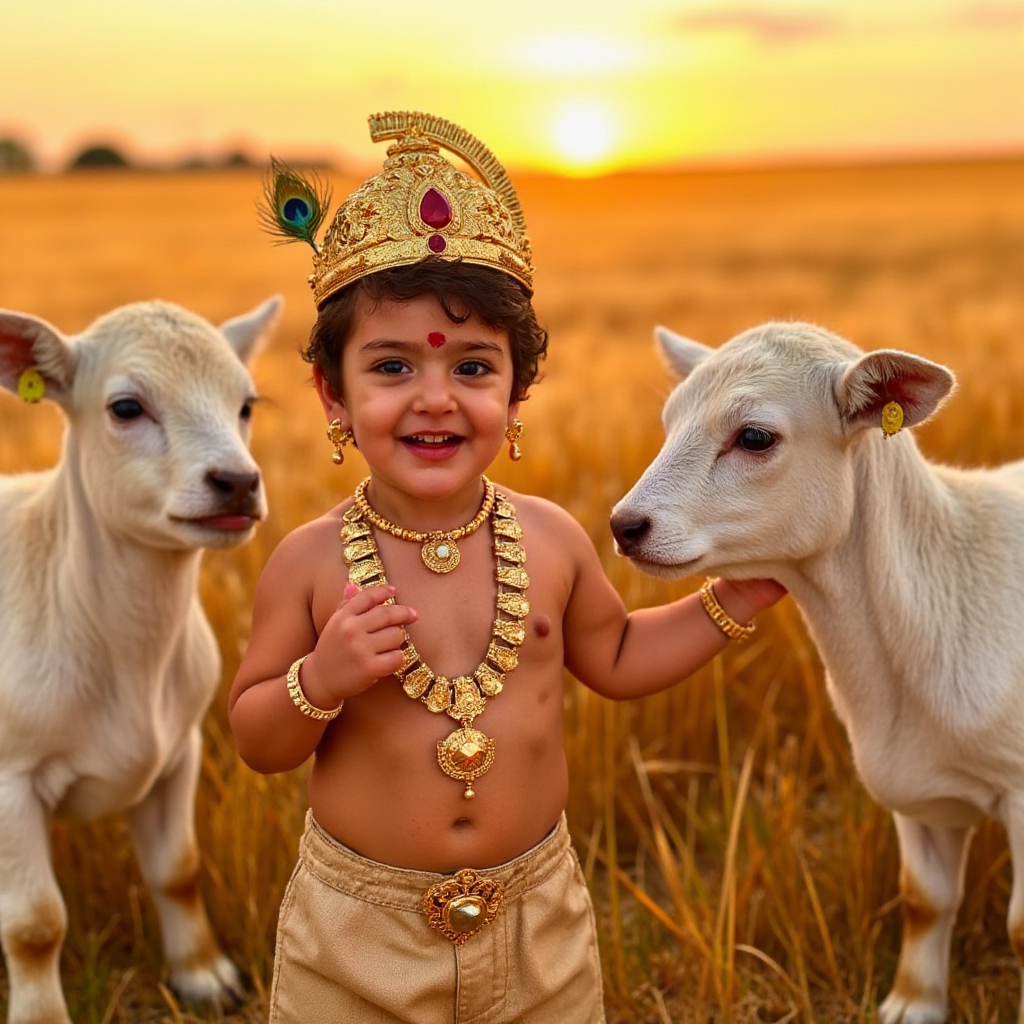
365 943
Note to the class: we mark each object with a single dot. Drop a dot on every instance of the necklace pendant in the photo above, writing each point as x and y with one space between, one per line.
440 554
465 755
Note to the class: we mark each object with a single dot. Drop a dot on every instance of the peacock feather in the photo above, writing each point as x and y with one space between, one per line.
294 205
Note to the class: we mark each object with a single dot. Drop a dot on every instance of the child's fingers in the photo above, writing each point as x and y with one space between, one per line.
389 639
369 611
387 616
389 662
359 600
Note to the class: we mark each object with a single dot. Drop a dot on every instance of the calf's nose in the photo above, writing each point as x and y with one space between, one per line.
234 485
629 529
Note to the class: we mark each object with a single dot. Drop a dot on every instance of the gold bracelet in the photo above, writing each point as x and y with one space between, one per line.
719 616
299 698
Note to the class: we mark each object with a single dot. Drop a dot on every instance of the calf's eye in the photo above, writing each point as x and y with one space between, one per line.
126 409
246 412
755 439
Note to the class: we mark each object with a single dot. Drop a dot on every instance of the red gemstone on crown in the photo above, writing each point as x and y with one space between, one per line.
435 210
436 243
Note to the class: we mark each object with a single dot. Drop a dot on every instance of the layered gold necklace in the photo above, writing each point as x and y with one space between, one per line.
440 552
466 753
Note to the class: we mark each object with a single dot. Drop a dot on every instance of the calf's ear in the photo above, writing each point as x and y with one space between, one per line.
680 354
247 333
869 384
29 343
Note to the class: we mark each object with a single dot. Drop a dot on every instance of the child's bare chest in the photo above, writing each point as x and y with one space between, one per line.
385 749
455 611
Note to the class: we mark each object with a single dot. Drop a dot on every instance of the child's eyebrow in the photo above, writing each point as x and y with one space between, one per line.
486 346
466 344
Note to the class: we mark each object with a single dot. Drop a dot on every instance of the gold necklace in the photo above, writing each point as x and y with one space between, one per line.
466 753
440 552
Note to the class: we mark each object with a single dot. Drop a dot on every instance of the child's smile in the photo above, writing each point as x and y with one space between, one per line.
429 417
433 446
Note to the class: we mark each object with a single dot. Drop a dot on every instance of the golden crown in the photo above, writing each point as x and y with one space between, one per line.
418 206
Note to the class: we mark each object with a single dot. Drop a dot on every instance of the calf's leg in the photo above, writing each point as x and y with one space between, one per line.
933 859
33 919
163 830
1014 821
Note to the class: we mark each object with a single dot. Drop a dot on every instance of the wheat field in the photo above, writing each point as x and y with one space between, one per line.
739 870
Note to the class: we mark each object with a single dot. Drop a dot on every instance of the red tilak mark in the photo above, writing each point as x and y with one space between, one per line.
436 339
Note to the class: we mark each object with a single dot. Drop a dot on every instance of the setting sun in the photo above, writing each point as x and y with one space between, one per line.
584 134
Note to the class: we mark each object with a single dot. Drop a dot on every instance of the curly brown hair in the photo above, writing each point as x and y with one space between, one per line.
461 289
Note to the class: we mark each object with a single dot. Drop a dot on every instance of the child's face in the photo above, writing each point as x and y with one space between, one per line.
427 399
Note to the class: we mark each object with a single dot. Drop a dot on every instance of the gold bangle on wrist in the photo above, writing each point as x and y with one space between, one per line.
719 616
299 698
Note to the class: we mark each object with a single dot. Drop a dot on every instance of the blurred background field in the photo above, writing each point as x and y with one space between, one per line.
739 869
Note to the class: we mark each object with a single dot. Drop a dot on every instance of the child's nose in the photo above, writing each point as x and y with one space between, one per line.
435 393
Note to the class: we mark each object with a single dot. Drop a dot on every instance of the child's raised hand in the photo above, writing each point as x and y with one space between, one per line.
361 642
746 598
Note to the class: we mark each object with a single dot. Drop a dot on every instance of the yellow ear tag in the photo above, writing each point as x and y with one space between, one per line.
31 385
892 419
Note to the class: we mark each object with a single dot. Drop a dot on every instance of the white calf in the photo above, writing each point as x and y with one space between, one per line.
909 575
107 662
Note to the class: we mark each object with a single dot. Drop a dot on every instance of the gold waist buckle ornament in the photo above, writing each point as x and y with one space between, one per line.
461 905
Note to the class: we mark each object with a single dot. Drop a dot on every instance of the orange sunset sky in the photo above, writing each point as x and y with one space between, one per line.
554 85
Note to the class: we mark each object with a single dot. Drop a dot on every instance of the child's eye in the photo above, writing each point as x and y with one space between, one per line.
390 366
473 368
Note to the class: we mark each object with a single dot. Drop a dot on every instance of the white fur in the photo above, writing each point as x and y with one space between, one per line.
910 576
109 663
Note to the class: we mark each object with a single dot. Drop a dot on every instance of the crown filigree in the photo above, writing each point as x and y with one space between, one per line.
418 206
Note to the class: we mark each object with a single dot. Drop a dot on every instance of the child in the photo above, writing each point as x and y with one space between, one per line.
435 880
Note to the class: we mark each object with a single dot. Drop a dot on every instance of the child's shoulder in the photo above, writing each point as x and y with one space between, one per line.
532 506
305 545
545 522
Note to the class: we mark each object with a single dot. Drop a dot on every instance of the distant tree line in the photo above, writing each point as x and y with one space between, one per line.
17 158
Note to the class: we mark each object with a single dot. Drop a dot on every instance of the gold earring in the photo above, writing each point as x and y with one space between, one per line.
512 434
892 419
339 436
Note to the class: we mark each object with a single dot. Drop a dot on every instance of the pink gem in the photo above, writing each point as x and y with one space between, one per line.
435 209
436 243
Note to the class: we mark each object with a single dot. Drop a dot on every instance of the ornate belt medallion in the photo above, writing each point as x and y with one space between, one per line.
460 906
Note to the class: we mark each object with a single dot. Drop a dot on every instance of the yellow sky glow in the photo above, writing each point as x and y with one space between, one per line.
549 87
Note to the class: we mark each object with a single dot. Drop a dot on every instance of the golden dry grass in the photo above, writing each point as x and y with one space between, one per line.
740 871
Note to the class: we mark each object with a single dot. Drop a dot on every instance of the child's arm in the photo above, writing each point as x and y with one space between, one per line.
359 644
626 655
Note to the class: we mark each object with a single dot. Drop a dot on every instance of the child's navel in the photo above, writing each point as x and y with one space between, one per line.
542 625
